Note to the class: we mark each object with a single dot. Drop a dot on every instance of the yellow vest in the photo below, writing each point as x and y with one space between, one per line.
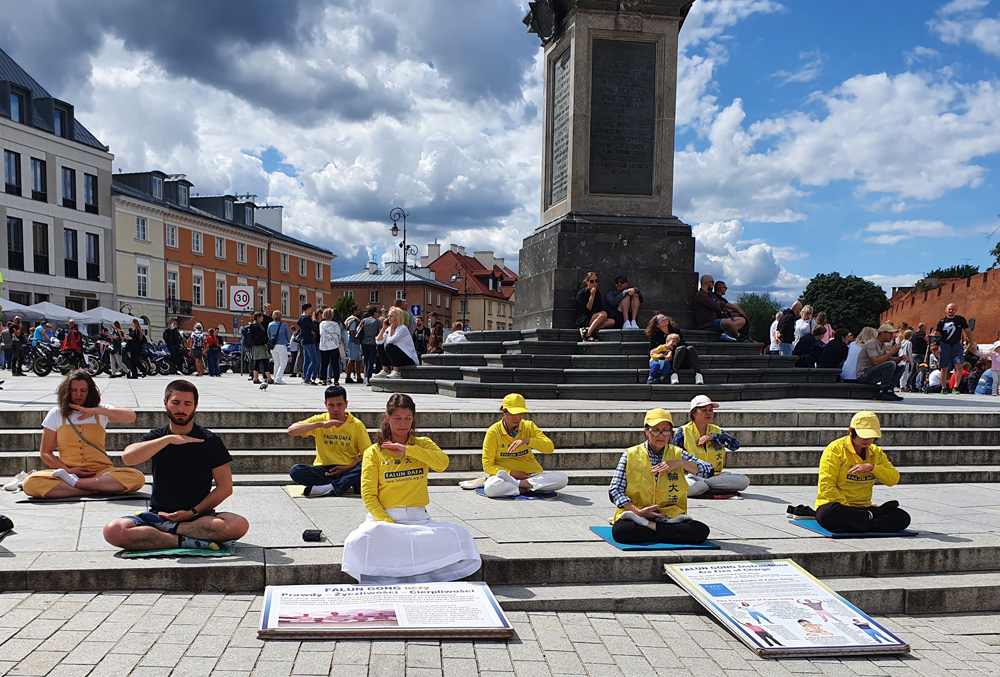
338 446
390 481
668 490
712 452
497 441
838 485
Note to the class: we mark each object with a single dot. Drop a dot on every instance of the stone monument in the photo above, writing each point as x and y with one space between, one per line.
607 161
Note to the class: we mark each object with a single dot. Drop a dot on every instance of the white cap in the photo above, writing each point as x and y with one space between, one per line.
702 401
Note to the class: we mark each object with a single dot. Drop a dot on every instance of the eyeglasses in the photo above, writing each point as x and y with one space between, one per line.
653 432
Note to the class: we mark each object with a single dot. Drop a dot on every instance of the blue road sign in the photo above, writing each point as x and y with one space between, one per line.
236 323
415 311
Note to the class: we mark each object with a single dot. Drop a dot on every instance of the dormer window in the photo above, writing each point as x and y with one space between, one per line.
59 123
229 210
16 107
248 215
182 196
156 186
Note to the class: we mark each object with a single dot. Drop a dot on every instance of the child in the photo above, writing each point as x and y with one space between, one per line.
660 358
994 355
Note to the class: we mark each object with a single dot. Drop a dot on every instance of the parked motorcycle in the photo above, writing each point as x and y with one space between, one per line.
50 358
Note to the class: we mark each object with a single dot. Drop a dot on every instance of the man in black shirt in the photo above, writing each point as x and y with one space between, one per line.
836 350
786 328
175 346
951 328
186 459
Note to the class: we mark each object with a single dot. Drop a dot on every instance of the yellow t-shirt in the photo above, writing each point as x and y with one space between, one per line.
667 490
391 481
837 485
338 446
712 452
495 445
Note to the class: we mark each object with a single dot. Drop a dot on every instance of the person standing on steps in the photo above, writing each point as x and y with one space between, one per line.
703 439
591 316
186 460
341 440
623 303
649 490
951 328
685 357
847 473
508 454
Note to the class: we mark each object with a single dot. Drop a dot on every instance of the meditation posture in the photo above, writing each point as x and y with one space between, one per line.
649 488
704 440
508 458
186 458
847 472
75 428
341 440
398 542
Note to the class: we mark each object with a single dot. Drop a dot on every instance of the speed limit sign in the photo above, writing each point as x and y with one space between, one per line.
241 299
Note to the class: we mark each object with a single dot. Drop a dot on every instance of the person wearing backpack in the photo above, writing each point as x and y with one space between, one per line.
196 344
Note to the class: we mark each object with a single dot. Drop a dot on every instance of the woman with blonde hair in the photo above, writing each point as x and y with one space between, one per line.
849 372
397 342
330 341
805 324
399 542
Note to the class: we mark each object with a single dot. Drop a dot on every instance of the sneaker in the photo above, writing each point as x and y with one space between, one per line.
13 485
674 379
726 337
473 484
955 392
800 512
650 381
394 374
699 380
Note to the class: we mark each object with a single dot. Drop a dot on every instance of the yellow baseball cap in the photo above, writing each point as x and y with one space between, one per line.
657 416
514 404
866 425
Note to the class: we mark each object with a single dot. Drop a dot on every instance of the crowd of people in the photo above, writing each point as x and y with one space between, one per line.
399 541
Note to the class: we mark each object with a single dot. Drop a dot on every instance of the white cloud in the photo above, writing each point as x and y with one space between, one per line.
893 232
806 72
963 21
887 282
920 53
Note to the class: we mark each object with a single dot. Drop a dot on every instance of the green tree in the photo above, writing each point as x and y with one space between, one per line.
760 310
345 305
995 253
961 272
850 302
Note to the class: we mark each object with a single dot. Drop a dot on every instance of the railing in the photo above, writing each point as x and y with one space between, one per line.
178 307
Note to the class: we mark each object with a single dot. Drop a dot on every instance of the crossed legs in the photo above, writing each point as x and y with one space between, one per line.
124 533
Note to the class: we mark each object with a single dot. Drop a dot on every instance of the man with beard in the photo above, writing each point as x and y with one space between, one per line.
186 458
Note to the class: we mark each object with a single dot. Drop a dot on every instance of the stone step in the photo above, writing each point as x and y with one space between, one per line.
603 347
518 375
573 335
596 361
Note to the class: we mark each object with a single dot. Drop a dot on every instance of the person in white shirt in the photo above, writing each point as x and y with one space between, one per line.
805 324
457 334
397 342
330 341
775 337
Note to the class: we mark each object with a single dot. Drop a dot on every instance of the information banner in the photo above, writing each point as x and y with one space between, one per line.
414 610
777 608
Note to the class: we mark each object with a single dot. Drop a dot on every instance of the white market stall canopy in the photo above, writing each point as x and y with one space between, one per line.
10 309
56 313
102 315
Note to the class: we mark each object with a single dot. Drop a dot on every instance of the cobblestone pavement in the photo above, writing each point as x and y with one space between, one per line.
150 634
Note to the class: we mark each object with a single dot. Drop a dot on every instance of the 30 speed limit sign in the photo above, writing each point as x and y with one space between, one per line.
241 299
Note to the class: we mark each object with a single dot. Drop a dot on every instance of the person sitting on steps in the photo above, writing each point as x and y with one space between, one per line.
76 429
590 314
847 473
709 313
649 490
186 459
508 457
685 356
701 438
623 303
731 310
660 358
341 441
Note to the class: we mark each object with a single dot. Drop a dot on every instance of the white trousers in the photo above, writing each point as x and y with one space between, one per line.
549 480
724 482
280 356
996 380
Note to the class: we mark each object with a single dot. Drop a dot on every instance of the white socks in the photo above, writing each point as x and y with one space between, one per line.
629 515
319 489
67 477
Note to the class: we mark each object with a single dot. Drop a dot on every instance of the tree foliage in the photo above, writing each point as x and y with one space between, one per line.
345 305
995 253
961 272
760 310
850 302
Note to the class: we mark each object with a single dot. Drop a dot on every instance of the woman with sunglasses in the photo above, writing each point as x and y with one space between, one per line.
590 314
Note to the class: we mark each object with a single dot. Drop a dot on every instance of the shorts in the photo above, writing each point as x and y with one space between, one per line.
951 354
140 522
717 325
196 353
617 316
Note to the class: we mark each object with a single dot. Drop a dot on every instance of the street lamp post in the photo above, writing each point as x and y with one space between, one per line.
465 293
396 215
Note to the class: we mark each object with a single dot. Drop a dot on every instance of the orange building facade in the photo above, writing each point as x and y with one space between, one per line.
976 297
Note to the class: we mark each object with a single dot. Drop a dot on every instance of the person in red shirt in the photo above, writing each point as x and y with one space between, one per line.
72 345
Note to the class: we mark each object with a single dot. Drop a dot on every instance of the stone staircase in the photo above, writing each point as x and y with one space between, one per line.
554 363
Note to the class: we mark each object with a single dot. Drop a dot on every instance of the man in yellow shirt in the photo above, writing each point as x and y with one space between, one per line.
341 440
508 457
847 473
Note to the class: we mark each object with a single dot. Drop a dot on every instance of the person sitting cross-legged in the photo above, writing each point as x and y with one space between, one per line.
341 441
847 473
649 490
705 440
508 458
186 459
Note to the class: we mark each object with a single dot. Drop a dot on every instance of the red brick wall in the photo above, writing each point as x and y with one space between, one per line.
977 297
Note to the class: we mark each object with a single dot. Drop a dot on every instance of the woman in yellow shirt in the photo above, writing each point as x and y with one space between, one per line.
398 542
847 473
508 457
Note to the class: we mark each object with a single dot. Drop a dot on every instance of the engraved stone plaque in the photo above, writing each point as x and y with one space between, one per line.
622 117
562 71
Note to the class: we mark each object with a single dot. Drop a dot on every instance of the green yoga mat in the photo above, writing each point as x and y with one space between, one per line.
226 550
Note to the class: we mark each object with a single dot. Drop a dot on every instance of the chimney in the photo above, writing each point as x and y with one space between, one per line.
433 252
485 258
394 267
373 268
499 263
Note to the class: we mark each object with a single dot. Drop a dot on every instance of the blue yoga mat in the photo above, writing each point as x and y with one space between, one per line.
813 525
605 533
531 496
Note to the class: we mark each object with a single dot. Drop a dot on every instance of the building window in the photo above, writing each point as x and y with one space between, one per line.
172 286
500 309
489 308
247 215
373 296
140 229
319 299
430 299
15 245
142 281
319 271
93 257
182 196
40 242
463 307
16 107
447 302
302 267
220 248
229 210
261 257
74 303
399 295
302 300
220 293
349 294
172 237
90 193
69 188
12 172
39 181
241 253
489 325
156 186
71 262
59 125
260 297
284 302
284 263
196 285
438 300
41 298
24 298
196 242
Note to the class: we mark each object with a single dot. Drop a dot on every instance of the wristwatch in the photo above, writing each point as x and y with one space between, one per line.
194 512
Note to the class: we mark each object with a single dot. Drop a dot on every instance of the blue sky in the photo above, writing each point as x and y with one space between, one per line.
812 136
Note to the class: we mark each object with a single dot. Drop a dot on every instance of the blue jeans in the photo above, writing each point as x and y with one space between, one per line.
658 369
785 349
370 353
758 616
315 475
885 375
212 361
310 364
